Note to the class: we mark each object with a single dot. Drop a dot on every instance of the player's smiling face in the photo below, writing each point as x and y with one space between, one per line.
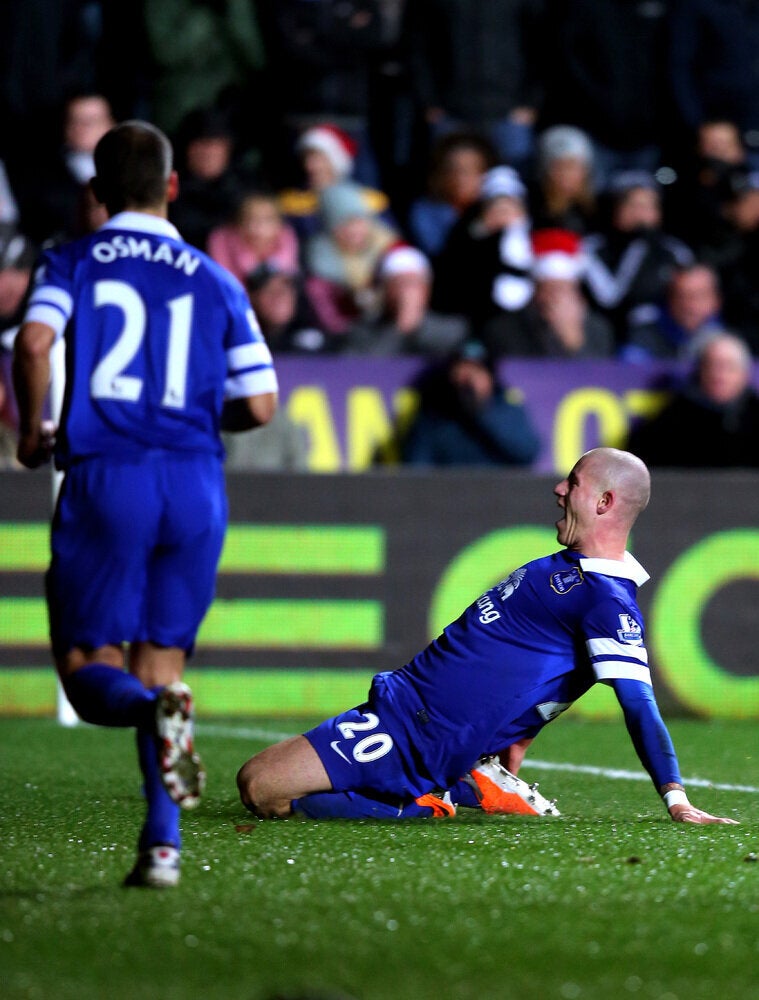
577 495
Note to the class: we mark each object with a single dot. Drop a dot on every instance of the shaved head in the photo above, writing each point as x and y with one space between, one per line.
601 499
622 472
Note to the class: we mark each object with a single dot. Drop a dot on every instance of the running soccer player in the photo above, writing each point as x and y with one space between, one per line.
162 351
517 658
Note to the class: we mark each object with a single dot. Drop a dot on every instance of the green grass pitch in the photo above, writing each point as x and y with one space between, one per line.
611 900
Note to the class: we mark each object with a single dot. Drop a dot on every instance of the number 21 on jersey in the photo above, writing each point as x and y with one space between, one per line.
108 380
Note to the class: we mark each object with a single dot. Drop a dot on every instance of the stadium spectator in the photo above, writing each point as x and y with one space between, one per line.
477 66
341 262
123 66
719 141
204 55
484 268
52 197
8 205
693 202
688 317
284 313
712 422
47 53
562 194
404 323
8 435
92 215
327 156
17 256
628 265
320 60
712 66
558 321
466 417
398 146
606 73
739 211
458 163
515 659
142 512
257 235
733 250
212 182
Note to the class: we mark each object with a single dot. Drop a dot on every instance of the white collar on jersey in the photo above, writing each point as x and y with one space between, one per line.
142 223
628 569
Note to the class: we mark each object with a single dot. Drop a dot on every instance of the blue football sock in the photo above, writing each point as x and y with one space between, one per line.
462 794
107 696
346 805
351 805
412 810
162 819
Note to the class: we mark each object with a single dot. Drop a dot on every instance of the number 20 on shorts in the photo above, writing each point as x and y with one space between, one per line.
370 747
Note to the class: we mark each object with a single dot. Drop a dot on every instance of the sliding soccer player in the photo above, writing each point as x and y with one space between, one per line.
428 735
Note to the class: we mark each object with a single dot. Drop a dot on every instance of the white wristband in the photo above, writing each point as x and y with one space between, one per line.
676 797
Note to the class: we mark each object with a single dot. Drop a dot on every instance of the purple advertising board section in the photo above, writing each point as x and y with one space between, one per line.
575 405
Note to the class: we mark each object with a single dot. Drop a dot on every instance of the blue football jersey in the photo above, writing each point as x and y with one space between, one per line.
518 657
157 337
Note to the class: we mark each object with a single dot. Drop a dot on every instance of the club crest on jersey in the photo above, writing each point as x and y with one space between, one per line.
563 581
630 632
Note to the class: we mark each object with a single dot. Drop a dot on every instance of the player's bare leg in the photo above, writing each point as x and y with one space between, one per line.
289 770
156 666
77 658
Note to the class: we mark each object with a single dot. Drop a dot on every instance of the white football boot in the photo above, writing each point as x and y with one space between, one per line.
156 868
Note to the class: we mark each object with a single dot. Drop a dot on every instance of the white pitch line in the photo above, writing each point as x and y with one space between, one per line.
621 775
241 732
617 774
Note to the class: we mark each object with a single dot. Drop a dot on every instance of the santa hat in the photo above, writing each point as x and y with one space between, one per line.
557 254
338 147
403 259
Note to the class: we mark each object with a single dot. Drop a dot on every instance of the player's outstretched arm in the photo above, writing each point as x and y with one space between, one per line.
654 747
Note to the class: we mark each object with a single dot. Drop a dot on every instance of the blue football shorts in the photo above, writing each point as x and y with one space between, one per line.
366 750
135 547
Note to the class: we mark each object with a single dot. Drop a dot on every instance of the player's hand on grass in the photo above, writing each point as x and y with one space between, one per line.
35 447
686 813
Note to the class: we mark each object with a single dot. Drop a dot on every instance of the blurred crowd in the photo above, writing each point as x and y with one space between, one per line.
462 180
